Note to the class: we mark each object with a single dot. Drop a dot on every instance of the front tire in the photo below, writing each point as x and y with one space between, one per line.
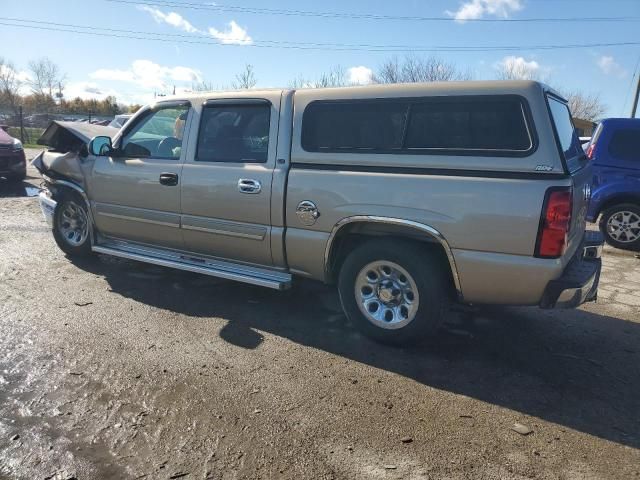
71 226
620 226
394 291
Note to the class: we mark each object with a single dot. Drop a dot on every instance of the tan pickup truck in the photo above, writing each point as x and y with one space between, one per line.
408 197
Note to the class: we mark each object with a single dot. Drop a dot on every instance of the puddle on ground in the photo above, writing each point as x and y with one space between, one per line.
17 189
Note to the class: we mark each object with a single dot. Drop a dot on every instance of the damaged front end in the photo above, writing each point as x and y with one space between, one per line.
67 163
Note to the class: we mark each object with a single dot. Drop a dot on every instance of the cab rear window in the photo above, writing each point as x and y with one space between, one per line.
453 125
568 141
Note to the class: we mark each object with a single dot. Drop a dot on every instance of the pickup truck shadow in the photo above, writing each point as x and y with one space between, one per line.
17 189
575 368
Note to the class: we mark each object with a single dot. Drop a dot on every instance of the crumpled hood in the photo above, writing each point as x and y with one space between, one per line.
68 157
57 133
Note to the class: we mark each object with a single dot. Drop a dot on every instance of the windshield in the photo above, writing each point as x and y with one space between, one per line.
567 137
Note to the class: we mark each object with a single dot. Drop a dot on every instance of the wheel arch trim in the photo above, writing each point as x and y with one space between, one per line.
423 228
77 188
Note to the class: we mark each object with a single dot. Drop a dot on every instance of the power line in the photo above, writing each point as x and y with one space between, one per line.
202 40
359 16
306 44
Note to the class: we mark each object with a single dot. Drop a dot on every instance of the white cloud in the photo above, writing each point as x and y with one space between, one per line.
235 35
171 18
149 75
518 68
474 9
609 66
113 75
360 75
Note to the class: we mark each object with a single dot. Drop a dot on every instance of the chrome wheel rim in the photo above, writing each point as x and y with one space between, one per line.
624 226
73 224
387 295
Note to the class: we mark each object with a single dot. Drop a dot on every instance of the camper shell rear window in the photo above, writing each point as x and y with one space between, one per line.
496 125
566 136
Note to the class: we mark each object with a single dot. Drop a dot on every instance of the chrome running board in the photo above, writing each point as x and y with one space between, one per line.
183 261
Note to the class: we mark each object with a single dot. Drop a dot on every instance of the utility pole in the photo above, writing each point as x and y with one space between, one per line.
634 108
21 125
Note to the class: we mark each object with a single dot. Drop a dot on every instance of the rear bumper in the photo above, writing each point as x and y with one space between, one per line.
48 206
579 281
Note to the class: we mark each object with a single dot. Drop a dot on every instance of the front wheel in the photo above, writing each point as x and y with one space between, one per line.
620 226
71 226
394 291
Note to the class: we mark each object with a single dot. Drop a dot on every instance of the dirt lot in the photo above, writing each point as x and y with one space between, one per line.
115 369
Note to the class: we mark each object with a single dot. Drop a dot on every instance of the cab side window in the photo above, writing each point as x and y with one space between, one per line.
234 133
158 134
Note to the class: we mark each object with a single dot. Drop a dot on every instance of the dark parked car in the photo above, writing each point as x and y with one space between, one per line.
615 152
13 163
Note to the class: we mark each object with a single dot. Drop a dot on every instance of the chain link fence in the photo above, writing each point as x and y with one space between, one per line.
28 126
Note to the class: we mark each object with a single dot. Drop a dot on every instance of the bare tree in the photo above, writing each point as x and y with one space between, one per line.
10 85
47 79
414 69
585 106
335 77
204 86
389 72
517 71
246 79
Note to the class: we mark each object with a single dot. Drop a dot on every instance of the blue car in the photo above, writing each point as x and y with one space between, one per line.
615 192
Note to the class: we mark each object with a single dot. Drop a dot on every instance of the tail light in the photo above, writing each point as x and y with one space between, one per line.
590 150
553 233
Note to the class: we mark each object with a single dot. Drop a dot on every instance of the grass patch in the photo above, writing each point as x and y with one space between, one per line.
31 135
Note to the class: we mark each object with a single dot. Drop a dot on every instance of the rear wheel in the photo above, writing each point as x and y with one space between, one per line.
393 291
620 226
71 226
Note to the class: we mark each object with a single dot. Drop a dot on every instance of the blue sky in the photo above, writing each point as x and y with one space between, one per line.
134 69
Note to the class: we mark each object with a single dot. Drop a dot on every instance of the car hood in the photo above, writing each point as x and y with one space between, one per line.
64 135
68 156
5 138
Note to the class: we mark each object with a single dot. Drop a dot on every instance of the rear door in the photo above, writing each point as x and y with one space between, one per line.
576 162
226 181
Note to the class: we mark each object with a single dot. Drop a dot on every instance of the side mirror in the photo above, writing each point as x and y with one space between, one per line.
100 146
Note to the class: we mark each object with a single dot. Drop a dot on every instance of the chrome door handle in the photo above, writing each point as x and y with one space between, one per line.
246 185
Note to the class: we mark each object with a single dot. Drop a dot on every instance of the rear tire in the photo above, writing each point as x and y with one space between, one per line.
620 225
394 291
71 225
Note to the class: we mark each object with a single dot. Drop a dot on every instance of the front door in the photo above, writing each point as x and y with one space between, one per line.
135 192
226 180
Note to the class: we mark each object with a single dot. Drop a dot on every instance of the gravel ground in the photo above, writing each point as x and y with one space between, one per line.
115 369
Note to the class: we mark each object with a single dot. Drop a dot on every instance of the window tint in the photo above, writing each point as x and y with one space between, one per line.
234 133
625 145
486 125
158 134
468 125
336 126
564 127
